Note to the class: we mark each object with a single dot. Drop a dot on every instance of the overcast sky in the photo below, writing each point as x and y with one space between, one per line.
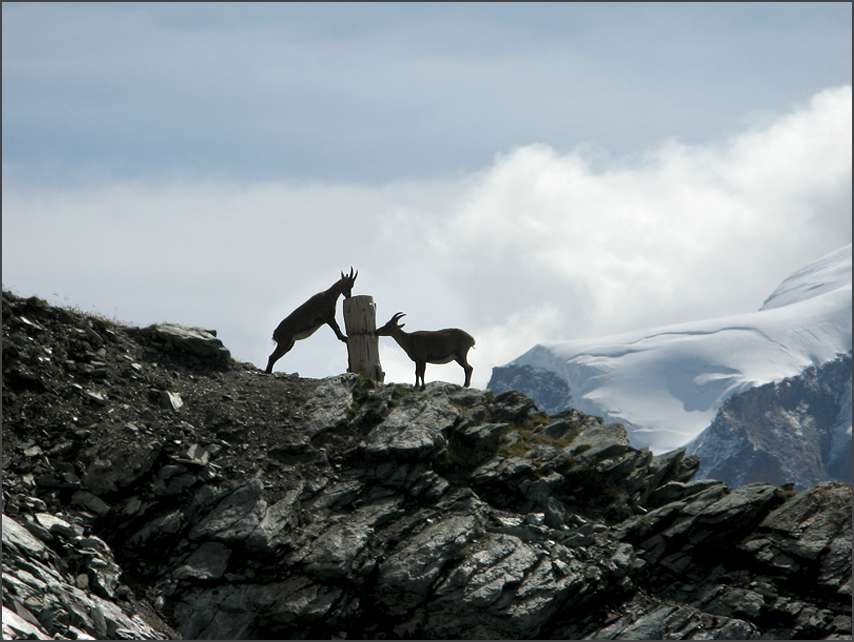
527 172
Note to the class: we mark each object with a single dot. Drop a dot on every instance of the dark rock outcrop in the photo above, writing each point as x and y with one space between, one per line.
280 507
545 388
190 345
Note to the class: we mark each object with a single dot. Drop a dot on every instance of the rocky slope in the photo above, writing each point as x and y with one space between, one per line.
797 430
152 487
543 387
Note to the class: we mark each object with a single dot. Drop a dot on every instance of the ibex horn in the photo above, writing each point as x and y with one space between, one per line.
351 271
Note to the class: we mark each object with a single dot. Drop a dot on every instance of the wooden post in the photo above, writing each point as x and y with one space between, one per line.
360 322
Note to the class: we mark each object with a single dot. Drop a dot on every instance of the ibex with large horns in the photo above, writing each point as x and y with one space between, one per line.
423 347
308 317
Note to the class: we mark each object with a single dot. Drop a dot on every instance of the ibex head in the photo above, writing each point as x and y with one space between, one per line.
347 281
391 326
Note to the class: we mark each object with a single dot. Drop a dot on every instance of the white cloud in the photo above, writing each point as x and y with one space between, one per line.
539 245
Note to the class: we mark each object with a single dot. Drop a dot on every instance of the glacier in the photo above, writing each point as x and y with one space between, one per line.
667 383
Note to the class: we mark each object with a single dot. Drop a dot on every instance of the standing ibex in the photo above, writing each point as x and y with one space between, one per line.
423 347
308 317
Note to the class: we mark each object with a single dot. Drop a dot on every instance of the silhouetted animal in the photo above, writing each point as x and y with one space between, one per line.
423 347
308 317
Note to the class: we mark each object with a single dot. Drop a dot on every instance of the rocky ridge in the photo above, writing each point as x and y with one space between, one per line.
155 488
544 387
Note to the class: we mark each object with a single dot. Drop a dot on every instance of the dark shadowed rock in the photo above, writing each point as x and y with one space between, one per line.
207 562
90 502
235 517
118 466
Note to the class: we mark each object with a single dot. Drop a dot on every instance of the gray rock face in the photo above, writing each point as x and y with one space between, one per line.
208 562
795 431
412 431
197 343
644 621
395 543
120 467
330 405
813 527
549 391
43 599
288 508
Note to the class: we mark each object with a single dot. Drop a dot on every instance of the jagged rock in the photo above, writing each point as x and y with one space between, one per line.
333 554
745 504
170 400
17 537
173 479
813 525
281 507
235 517
733 602
675 465
104 576
273 530
409 572
16 627
674 622
330 405
569 423
472 444
412 431
91 502
601 442
184 340
33 451
711 515
207 562
96 397
549 392
51 602
247 611
157 530
511 406
120 466
58 526
677 490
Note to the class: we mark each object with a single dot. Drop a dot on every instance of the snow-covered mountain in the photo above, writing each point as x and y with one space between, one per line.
667 383
797 430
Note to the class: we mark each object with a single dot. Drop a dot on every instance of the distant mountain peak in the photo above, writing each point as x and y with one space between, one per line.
797 430
667 383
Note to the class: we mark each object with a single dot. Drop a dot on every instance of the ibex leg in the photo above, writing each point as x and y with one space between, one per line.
420 367
465 364
337 329
281 349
